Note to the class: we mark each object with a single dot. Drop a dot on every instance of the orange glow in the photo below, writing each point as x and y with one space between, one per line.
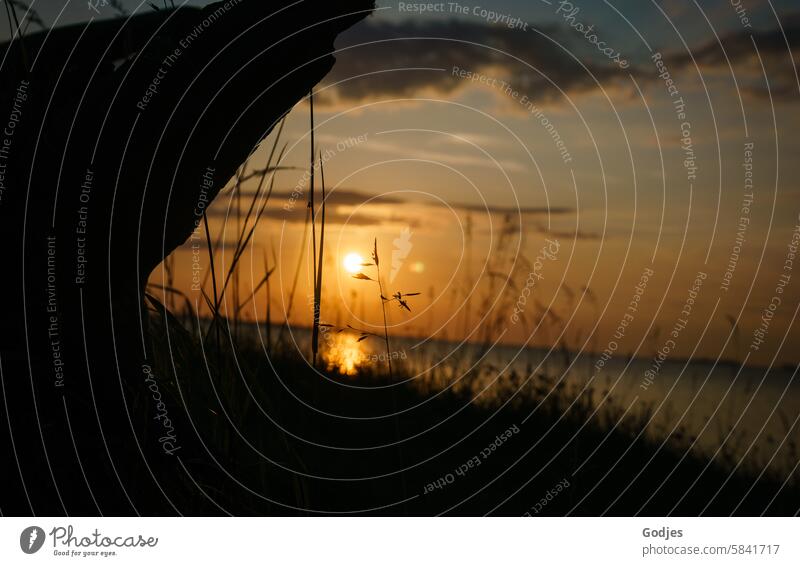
352 262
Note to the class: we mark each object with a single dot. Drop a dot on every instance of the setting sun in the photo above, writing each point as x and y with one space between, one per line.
352 262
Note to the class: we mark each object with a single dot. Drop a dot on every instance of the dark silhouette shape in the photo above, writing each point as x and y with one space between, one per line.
119 133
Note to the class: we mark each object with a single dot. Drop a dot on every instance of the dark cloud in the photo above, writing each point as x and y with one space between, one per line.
524 210
297 215
348 197
352 198
738 47
467 45
567 234
391 47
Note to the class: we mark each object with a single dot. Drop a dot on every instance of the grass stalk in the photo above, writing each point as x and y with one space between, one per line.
318 285
215 311
383 308
315 327
244 235
269 304
11 12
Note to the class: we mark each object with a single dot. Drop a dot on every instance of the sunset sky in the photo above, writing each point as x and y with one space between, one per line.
471 171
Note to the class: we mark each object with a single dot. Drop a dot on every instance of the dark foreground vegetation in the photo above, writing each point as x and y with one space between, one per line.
275 437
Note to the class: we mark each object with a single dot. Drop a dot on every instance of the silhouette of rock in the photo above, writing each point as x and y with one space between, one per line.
115 135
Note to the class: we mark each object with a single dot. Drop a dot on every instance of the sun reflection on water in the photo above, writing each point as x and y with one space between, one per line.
344 354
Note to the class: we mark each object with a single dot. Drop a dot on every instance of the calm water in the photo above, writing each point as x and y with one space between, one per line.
748 413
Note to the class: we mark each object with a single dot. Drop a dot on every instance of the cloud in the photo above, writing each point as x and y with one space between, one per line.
738 47
447 157
567 234
337 204
347 197
390 62
333 216
340 204
412 58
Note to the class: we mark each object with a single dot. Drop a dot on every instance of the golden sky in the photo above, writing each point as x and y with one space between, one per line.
470 146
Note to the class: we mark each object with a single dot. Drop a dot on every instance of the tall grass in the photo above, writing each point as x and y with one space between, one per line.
316 262
318 286
399 297
466 374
